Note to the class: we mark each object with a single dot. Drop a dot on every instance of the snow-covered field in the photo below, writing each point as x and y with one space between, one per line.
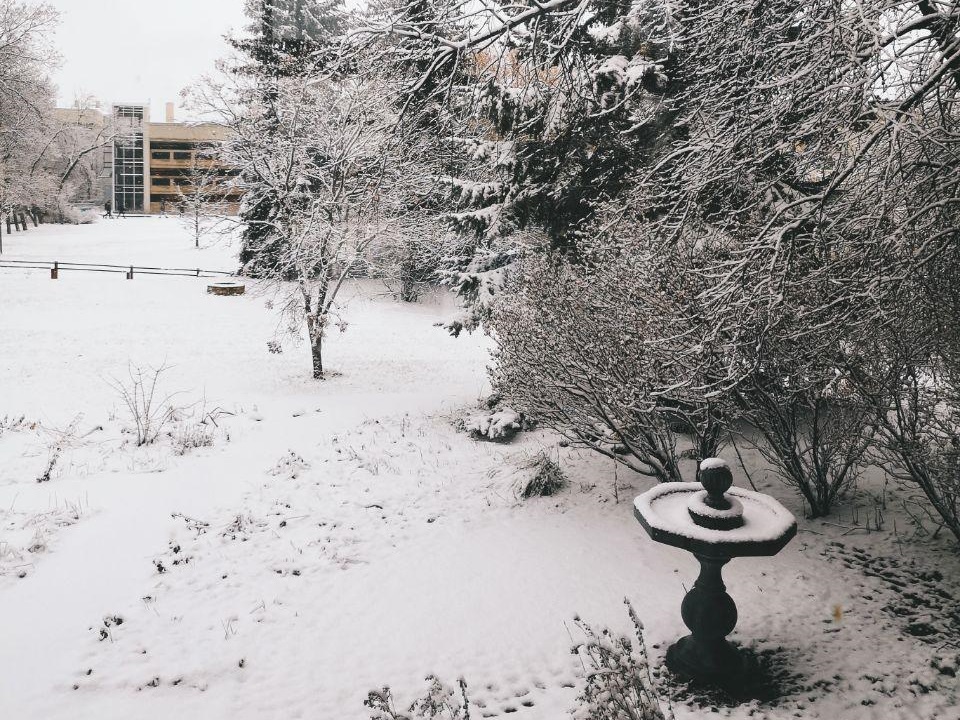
329 538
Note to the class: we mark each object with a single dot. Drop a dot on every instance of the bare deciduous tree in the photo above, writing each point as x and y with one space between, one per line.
204 202
26 101
323 156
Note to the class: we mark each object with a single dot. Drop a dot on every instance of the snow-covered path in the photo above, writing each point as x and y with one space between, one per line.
337 536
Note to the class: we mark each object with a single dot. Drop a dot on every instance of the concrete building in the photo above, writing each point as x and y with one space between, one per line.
178 165
150 165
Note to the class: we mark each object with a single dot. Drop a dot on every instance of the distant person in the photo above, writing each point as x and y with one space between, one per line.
106 207
163 207
121 210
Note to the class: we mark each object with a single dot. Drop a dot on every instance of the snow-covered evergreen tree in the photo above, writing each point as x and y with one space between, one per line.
556 105
285 39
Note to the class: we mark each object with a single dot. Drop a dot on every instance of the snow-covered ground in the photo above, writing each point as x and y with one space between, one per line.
329 538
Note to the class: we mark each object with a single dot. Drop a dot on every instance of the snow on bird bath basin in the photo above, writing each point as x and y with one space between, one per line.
664 511
713 517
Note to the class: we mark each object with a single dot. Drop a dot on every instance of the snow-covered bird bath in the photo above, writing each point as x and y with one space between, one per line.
715 522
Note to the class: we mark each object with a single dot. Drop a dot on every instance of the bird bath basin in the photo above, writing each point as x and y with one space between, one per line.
716 522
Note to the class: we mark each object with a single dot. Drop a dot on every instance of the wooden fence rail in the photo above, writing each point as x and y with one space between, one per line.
55 266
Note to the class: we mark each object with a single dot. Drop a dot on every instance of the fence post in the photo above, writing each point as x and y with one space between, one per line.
55 270
130 273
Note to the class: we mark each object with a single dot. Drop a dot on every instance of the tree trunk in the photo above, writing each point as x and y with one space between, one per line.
315 335
316 352
408 289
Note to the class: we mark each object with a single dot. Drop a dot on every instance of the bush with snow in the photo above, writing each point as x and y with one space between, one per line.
544 478
500 425
440 701
187 436
587 367
918 442
818 442
619 682
289 465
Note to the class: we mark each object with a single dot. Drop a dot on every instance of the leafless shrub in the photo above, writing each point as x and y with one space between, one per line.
13 424
619 683
816 438
592 354
439 702
919 437
149 410
61 439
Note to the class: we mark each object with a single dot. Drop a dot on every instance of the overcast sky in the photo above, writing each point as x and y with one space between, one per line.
139 51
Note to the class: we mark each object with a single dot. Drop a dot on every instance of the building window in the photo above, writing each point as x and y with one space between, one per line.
182 181
160 155
171 145
161 181
181 156
128 171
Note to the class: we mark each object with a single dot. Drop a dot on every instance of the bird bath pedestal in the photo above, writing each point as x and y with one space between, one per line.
715 522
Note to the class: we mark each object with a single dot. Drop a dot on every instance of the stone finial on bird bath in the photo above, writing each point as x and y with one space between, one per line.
715 522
